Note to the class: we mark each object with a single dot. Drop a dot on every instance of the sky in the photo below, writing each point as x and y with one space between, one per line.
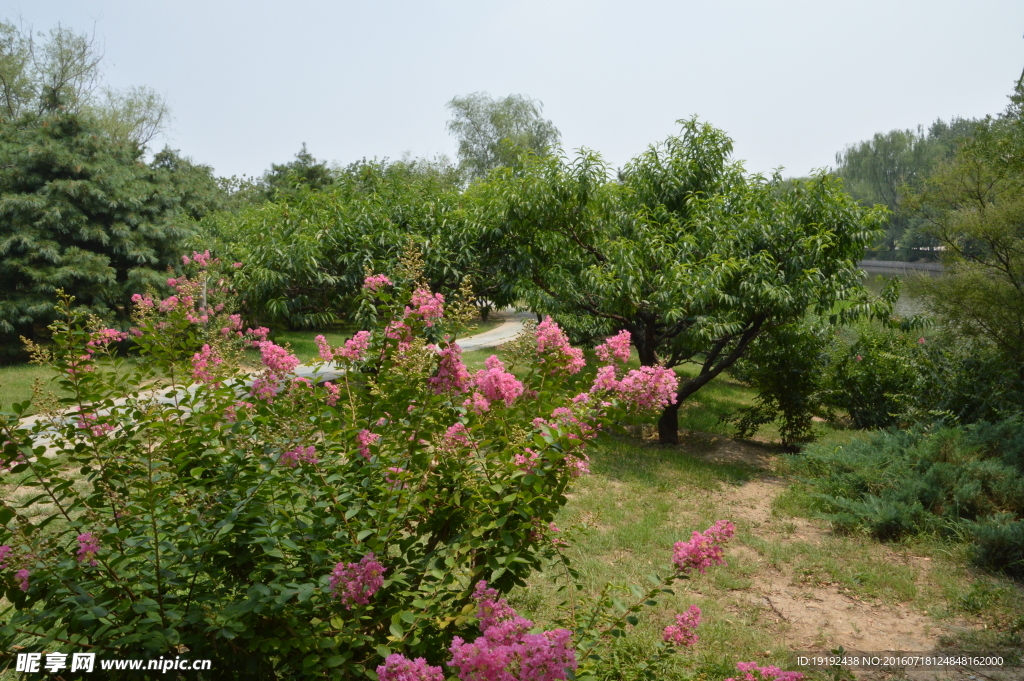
791 81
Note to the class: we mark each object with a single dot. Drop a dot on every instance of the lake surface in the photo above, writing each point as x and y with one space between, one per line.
876 278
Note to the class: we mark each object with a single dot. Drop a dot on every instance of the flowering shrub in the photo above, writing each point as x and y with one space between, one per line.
286 527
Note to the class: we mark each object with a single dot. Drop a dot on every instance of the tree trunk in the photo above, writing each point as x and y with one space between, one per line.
668 425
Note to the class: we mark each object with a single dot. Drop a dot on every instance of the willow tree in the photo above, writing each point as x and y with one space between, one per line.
691 255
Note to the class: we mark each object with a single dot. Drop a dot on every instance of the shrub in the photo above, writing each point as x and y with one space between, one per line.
279 525
947 481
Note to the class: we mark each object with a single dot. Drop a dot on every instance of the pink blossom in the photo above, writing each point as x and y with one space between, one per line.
394 482
201 259
497 384
506 651
293 457
142 301
277 359
429 307
9 466
203 363
859 358
324 348
22 576
365 438
333 394
400 331
91 422
704 548
527 462
455 437
231 411
105 337
236 265
477 402
684 632
260 334
355 347
400 668
263 389
355 583
767 673
88 547
649 389
576 464
554 345
614 349
605 380
921 341
452 375
376 282
168 304
5 551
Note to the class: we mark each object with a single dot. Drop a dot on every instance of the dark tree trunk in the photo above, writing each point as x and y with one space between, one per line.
668 425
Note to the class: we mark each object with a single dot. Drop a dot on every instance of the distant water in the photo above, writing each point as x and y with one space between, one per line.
876 278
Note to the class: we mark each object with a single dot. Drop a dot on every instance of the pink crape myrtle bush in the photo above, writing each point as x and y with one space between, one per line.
293 528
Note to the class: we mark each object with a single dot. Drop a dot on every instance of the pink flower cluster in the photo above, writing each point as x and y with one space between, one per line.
452 375
506 651
142 300
333 394
649 389
614 349
355 347
401 332
231 411
494 384
769 673
684 632
91 422
398 667
293 457
528 461
704 548
554 344
21 575
105 337
376 282
455 438
202 259
88 547
275 358
354 583
428 306
203 363
365 438
9 466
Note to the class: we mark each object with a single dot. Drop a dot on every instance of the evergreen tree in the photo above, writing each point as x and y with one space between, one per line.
79 210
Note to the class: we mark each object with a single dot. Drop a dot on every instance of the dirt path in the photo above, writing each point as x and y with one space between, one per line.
808 609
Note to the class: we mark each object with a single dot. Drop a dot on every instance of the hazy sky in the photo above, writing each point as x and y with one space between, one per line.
792 82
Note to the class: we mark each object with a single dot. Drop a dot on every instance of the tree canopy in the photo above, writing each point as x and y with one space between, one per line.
81 211
688 253
496 132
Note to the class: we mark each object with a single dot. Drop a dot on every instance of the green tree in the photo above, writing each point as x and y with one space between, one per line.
689 254
496 132
875 170
64 68
974 206
305 171
80 211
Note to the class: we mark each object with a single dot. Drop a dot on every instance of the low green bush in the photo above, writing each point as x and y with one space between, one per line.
962 481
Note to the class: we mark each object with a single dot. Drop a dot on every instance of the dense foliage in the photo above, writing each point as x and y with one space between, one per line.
81 212
952 482
690 255
285 527
878 171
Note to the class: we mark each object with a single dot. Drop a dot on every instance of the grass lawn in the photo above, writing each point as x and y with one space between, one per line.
790 584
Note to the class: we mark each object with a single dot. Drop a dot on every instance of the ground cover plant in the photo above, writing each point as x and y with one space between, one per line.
963 482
